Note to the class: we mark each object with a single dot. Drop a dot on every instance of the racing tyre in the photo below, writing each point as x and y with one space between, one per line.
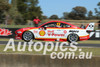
27 36
73 37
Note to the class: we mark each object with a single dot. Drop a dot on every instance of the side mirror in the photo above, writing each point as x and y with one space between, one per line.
45 27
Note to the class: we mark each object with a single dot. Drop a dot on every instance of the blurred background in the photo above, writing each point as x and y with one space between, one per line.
20 13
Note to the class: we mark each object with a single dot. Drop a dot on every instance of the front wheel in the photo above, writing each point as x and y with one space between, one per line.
73 37
27 36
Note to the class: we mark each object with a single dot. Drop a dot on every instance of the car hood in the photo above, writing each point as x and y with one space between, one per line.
24 29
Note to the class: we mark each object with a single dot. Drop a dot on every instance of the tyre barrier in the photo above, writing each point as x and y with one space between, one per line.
26 60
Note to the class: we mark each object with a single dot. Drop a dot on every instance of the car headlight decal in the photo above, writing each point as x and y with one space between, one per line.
19 32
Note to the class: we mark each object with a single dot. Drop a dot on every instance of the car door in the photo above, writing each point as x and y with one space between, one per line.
61 30
44 31
54 31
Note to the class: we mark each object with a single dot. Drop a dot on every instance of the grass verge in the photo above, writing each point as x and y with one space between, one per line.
95 51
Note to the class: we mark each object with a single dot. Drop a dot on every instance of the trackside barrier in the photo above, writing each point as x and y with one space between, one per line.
95 35
19 60
13 33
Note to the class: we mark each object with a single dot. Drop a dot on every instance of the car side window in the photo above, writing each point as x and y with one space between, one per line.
57 24
50 25
62 25
66 26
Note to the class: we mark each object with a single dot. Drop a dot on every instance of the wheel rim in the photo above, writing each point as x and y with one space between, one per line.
27 36
73 37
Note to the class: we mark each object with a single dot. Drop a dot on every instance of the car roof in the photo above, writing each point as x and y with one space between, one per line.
57 21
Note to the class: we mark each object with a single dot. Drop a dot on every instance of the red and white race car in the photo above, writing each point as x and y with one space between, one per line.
54 31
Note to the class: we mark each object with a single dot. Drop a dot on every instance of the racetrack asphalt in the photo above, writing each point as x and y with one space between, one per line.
79 45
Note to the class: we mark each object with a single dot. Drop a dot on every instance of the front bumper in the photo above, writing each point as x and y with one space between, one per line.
18 37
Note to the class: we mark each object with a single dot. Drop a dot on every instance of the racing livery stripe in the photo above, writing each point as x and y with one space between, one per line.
60 28
33 28
84 36
50 38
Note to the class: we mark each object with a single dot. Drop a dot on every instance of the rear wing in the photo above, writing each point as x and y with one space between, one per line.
90 27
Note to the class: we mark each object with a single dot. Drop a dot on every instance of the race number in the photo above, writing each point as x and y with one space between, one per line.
58 24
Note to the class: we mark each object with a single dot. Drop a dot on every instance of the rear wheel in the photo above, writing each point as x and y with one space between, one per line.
73 37
27 36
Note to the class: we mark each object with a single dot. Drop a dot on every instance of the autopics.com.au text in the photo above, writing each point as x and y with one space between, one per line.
58 50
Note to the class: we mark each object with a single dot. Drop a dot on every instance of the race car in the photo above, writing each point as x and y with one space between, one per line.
54 31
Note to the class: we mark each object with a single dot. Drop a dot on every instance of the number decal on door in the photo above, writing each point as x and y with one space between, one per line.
58 24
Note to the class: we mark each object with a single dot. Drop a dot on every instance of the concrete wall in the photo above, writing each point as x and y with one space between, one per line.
19 60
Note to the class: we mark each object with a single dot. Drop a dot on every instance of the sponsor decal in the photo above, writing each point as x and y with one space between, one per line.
5 32
35 31
91 26
51 33
65 31
74 31
42 33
